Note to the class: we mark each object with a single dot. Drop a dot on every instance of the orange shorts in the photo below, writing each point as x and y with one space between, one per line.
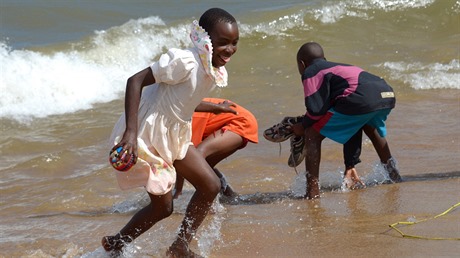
244 124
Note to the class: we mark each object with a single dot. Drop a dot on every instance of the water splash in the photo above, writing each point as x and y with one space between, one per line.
135 203
88 72
210 236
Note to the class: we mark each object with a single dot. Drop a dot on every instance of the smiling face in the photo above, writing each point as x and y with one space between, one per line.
224 38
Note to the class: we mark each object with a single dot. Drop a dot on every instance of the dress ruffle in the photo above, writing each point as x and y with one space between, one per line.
202 41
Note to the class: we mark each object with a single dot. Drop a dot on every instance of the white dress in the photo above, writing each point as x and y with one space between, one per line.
165 112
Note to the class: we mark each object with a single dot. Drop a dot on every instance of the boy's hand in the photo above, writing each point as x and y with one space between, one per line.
298 129
352 180
225 107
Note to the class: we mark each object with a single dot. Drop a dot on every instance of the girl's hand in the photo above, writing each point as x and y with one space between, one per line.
128 143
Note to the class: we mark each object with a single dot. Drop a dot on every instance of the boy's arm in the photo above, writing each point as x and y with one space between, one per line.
352 150
351 179
317 99
298 129
308 120
351 153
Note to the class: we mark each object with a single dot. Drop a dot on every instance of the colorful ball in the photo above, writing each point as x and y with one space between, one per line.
117 159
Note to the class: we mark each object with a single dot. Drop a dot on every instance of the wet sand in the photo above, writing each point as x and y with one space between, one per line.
339 224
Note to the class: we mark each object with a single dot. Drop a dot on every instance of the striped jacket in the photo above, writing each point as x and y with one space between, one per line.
348 89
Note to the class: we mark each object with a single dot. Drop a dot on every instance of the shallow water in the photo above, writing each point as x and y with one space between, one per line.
63 73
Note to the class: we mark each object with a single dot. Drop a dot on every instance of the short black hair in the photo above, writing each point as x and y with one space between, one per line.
213 16
309 52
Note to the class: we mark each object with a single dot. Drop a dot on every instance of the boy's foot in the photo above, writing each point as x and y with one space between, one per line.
225 188
228 192
297 151
281 131
392 169
312 194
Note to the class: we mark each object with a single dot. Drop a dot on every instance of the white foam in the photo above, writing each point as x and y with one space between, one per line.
94 70
390 5
329 12
336 10
426 76
277 27
35 84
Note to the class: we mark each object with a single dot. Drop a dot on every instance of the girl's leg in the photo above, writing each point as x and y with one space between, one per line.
197 171
160 207
312 159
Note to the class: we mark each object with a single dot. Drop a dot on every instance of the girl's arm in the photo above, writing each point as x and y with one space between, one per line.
223 107
134 87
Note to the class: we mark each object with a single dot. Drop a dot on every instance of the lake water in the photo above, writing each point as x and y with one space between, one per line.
64 66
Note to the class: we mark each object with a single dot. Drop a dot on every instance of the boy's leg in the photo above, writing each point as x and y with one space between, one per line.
351 154
313 141
345 129
160 207
225 188
352 150
380 143
383 151
197 171
217 147
214 149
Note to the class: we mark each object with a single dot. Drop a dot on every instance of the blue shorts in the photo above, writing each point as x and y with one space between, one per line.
340 128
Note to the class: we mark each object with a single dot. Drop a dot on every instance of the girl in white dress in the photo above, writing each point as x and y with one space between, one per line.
156 129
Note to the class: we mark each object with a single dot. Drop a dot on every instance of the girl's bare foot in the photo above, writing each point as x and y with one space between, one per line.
115 243
180 249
